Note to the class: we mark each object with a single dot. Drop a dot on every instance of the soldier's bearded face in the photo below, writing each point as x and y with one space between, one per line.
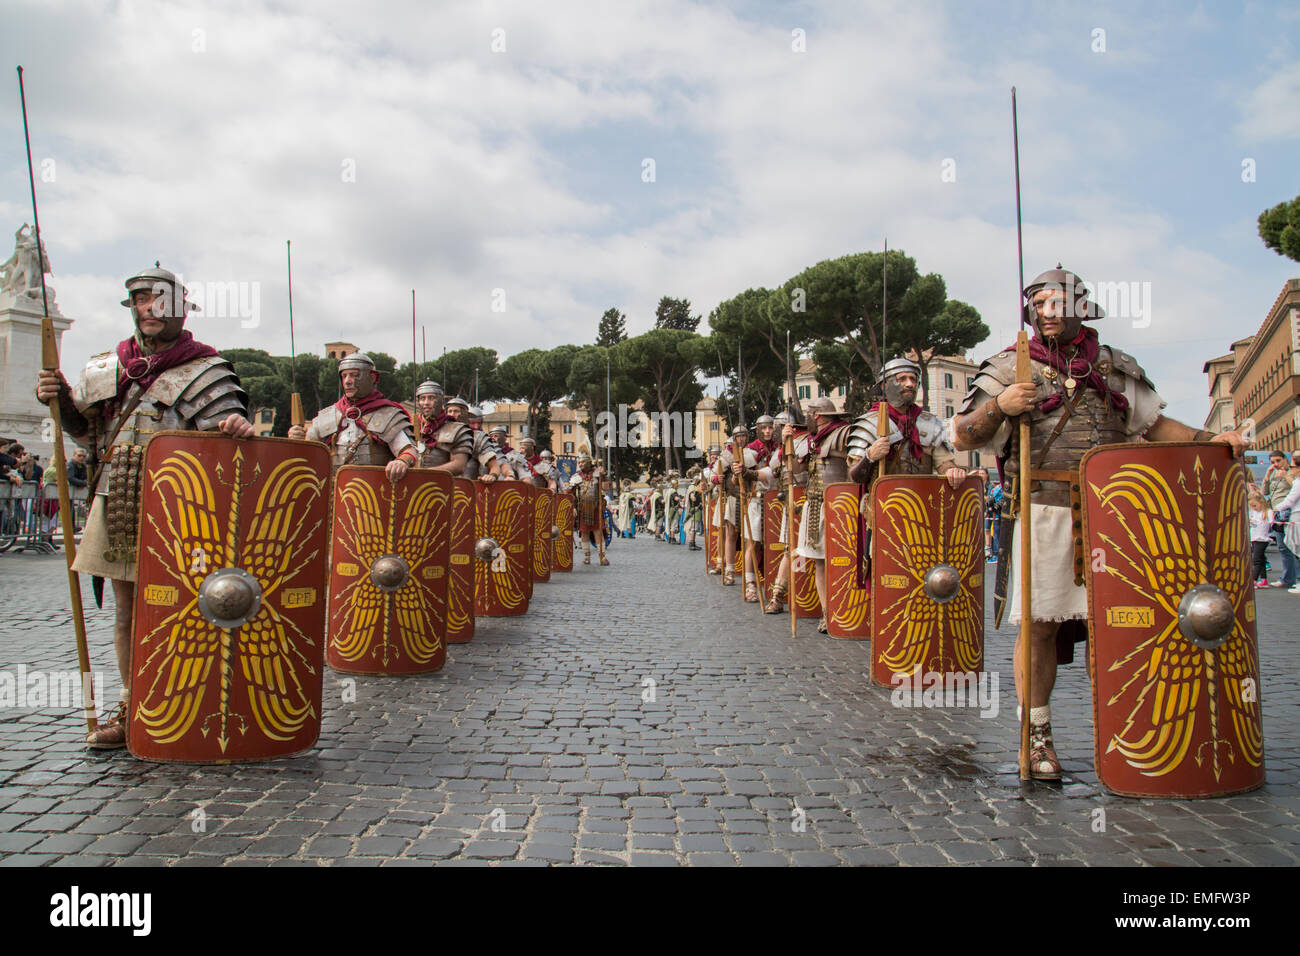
1053 320
454 412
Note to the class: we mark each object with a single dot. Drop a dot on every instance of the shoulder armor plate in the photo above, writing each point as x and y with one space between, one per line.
98 381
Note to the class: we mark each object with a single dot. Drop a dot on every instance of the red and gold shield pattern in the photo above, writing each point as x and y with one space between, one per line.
927 577
231 531
543 515
460 573
807 604
504 514
848 589
1175 715
562 550
388 577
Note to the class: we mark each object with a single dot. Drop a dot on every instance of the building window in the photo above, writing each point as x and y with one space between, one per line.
970 382
268 416
947 413
976 457
568 430
840 393
947 383
821 392
568 450
713 426
805 391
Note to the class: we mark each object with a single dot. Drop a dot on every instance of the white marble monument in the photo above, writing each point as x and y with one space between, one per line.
22 417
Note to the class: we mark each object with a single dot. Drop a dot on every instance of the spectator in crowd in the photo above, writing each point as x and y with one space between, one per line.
1261 526
77 476
1276 486
8 463
1291 529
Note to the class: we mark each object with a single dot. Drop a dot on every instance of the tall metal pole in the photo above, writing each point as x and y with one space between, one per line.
415 369
50 363
607 411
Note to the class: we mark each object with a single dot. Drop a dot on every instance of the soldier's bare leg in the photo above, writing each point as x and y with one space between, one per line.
751 572
1043 762
728 553
111 732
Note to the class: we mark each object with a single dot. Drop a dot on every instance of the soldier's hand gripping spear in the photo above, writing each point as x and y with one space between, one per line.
50 363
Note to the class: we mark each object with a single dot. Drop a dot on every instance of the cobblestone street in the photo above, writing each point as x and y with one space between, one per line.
637 714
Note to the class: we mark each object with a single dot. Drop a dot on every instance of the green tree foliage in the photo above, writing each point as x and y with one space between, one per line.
1279 227
844 302
745 341
675 314
665 362
538 377
612 329
586 385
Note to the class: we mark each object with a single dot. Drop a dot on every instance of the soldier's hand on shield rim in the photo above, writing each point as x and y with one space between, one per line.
1235 440
395 469
48 385
1017 399
878 449
488 478
955 477
298 432
236 426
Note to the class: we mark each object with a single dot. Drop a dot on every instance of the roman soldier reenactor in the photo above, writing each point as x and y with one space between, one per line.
757 476
444 443
779 479
483 458
363 427
727 511
917 443
590 503
825 462
1083 394
159 379
708 493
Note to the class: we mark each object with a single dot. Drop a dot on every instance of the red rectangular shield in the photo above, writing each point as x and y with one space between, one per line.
1171 616
927 577
562 549
504 514
227 650
388 571
848 591
460 571
543 517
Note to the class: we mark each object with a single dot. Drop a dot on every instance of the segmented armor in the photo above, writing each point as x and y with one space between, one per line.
376 438
452 438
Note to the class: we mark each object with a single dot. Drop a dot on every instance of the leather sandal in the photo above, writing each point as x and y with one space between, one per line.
777 604
822 627
1043 762
728 577
751 592
111 732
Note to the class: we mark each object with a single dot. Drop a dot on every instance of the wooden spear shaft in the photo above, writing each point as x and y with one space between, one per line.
50 363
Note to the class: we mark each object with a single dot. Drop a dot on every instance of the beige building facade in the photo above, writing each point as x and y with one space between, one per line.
1265 383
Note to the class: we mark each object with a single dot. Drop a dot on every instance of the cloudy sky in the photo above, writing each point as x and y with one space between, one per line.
494 156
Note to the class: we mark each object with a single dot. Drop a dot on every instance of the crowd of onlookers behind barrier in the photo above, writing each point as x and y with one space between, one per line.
29 498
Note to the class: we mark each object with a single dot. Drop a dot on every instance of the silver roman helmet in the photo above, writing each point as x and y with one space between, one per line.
171 305
764 420
434 391
361 362
895 393
457 401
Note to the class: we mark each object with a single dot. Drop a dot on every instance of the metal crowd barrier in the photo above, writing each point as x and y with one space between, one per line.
24 526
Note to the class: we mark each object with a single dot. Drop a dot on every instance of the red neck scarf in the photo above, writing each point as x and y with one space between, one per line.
144 370
355 410
532 462
906 422
814 444
1081 364
762 449
429 429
